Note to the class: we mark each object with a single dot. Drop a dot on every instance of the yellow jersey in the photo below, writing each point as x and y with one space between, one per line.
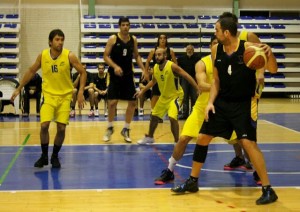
168 83
243 35
56 74
204 96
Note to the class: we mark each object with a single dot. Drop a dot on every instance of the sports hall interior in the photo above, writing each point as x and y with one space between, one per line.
114 176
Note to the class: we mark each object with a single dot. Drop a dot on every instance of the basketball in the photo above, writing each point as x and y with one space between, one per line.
254 57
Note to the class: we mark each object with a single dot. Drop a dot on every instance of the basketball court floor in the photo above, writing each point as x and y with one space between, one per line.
114 176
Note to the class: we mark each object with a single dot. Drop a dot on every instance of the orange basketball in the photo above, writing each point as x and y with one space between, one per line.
254 57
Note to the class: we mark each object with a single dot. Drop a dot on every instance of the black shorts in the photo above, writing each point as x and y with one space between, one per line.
86 94
155 90
231 116
148 94
104 97
121 88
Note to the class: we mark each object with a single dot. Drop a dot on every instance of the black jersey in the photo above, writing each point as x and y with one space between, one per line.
100 82
122 54
89 78
237 81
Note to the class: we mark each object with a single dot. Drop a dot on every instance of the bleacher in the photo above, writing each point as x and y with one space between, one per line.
9 56
282 34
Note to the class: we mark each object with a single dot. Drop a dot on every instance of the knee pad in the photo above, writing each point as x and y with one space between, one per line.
200 153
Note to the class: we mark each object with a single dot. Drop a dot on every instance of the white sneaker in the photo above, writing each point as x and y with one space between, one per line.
72 113
146 140
109 132
125 134
96 113
106 113
91 114
141 112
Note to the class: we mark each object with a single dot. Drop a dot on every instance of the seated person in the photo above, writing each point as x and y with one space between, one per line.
100 87
33 89
7 87
88 92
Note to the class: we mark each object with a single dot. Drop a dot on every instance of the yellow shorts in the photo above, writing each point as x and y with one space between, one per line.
194 122
167 105
55 108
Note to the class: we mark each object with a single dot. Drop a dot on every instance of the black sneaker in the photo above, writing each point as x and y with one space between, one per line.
165 177
189 186
125 134
247 167
256 178
267 197
234 164
55 162
42 161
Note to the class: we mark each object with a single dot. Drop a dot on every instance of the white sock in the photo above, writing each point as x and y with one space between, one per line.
172 164
110 124
126 125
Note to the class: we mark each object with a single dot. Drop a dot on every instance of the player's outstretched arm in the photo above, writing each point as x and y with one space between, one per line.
27 77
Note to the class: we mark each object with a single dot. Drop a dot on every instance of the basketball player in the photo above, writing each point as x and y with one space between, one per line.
191 127
229 108
162 42
119 52
57 87
239 162
166 74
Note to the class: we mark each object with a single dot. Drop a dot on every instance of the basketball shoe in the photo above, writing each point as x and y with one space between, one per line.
42 161
125 134
55 162
146 140
268 196
188 186
96 113
108 134
165 177
256 178
235 164
72 113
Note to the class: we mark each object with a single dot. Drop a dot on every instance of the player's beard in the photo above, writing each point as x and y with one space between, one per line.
160 62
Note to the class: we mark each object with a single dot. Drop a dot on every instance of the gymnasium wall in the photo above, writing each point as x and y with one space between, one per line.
38 17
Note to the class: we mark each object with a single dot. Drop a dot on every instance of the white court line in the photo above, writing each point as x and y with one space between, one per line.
138 189
281 126
156 144
240 172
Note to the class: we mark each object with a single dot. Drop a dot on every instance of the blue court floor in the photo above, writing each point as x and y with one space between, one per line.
134 166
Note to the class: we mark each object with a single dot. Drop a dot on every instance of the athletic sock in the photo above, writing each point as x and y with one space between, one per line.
172 164
45 149
56 149
126 125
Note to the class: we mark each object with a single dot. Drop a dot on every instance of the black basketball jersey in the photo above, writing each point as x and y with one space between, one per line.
237 81
100 82
122 54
